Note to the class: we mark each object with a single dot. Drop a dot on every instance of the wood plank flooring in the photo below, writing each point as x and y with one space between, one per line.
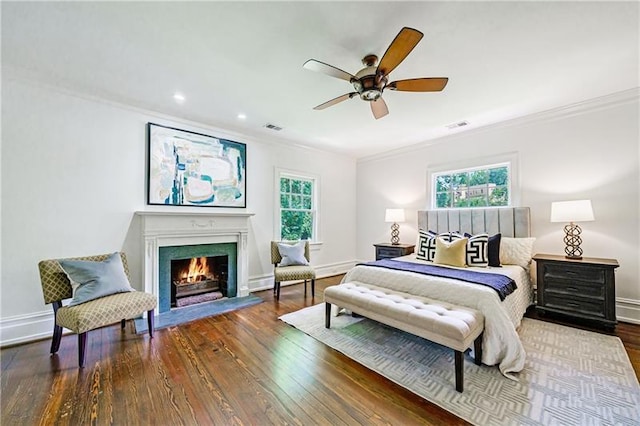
244 367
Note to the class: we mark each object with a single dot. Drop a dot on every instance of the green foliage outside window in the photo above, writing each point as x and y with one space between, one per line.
481 187
296 209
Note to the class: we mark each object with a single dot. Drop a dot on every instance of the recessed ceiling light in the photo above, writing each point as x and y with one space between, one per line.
179 97
242 116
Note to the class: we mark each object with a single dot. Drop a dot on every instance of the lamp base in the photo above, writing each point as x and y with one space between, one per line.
395 232
572 240
573 257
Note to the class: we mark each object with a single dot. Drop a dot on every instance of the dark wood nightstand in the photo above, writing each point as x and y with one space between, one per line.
581 288
388 250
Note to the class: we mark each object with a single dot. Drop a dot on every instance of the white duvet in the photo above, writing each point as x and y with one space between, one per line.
501 344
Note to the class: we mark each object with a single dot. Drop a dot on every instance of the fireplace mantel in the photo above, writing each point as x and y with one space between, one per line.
161 229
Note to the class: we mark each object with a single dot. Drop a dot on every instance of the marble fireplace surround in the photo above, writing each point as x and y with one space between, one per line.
163 229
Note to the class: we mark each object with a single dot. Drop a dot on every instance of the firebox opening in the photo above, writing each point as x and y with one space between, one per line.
198 279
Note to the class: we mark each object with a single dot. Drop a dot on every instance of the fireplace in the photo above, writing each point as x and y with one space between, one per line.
213 274
198 279
168 236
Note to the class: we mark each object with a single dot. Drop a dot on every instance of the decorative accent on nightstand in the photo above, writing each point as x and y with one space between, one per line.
395 216
581 288
387 251
572 211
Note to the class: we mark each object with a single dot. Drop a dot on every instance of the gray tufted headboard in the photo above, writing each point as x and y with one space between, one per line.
511 221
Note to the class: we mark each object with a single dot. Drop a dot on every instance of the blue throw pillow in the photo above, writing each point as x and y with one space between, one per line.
493 249
96 279
426 247
292 254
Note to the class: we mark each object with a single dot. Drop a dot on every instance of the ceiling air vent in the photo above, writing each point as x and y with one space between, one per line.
273 127
458 124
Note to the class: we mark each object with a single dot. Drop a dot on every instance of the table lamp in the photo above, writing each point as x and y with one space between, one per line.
572 211
394 216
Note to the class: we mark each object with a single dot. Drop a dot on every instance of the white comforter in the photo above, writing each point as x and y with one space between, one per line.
501 344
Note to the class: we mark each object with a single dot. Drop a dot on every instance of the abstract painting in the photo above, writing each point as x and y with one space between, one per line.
192 169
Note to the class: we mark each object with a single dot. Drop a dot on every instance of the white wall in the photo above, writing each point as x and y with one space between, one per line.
588 151
73 174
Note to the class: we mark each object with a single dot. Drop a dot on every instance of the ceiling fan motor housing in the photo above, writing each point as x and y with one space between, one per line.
368 85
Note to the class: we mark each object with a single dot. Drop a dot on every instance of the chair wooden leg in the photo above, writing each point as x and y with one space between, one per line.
313 287
305 288
277 290
82 348
57 330
57 336
123 323
459 364
150 322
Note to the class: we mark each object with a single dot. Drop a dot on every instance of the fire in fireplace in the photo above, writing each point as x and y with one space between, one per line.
198 279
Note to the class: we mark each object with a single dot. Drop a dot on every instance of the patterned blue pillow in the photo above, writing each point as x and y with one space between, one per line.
426 247
493 249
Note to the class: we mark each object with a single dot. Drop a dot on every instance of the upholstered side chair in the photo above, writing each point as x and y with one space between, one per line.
83 317
291 273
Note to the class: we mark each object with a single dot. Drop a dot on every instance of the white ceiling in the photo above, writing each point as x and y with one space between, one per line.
503 60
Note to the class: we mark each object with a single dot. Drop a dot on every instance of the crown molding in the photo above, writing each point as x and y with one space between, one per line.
578 108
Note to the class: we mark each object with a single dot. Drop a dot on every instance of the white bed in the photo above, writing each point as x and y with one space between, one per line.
501 343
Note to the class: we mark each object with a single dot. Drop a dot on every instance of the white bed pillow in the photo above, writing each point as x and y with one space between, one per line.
516 251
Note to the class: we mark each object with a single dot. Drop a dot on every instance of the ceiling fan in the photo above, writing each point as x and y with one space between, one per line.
371 81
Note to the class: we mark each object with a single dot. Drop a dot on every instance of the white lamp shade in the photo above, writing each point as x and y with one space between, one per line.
572 211
394 215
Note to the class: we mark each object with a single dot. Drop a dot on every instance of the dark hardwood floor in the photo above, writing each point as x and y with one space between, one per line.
244 367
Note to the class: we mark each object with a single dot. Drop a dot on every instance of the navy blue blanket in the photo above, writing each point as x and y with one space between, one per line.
502 284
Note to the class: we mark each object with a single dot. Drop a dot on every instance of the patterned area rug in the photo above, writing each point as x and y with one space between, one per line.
571 376
193 312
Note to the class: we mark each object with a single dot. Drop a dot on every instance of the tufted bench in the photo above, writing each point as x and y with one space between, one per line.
449 325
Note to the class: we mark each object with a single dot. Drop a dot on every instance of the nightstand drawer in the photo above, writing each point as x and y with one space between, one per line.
569 272
574 288
386 250
389 252
585 307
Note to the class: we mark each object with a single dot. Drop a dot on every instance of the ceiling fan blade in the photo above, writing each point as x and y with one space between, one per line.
399 48
433 84
336 100
379 108
318 66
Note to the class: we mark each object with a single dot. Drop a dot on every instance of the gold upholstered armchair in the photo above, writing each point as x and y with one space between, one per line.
101 295
291 262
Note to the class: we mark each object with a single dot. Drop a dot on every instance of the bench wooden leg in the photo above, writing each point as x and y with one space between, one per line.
459 361
327 315
477 349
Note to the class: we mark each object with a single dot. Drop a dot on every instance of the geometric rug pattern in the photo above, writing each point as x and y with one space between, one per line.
185 314
571 376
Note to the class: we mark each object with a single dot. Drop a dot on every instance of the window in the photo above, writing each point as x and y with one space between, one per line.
483 186
298 207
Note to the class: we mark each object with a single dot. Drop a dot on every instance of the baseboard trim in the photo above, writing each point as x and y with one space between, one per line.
26 328
628 310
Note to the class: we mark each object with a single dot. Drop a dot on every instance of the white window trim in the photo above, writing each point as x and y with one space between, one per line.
281 172
512 158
